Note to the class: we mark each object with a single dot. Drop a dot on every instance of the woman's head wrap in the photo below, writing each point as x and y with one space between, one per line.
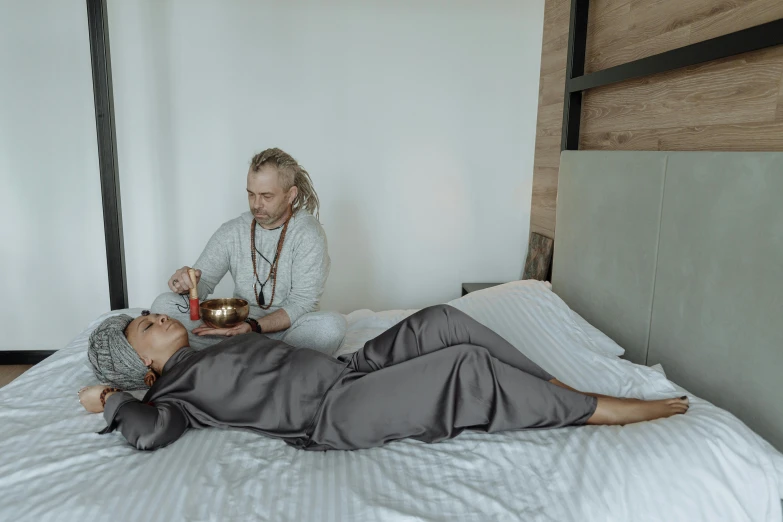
113 359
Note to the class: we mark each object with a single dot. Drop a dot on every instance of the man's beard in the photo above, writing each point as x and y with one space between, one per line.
267 219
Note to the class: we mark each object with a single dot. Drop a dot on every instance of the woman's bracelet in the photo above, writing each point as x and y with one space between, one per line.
105 392
254 325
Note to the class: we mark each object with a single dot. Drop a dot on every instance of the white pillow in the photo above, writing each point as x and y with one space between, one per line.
535 295
539 324
532 296
364 325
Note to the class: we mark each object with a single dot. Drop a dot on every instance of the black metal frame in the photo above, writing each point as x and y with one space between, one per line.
575 68
752 39
100 56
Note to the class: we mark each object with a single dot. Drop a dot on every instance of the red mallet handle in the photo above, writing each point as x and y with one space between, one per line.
194 315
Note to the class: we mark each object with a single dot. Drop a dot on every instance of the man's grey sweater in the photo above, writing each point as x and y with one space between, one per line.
301 272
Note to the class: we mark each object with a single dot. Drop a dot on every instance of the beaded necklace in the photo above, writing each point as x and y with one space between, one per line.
272 270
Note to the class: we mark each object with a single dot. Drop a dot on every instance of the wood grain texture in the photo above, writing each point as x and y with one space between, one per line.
760 137
550 88
625 30
542 216
734 104
550 120
539 258
554 53
742 89
557 14
779 112
11 371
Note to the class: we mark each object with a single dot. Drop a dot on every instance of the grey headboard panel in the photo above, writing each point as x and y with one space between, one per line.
678 256
608 218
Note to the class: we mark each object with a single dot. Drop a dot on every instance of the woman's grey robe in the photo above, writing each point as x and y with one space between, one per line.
431 376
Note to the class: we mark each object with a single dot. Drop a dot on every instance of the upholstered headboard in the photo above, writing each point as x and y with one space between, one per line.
678 256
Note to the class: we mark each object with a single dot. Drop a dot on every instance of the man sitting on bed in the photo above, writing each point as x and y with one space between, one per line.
282 276
431 376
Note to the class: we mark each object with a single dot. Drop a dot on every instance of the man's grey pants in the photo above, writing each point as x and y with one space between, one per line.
322 331
433 375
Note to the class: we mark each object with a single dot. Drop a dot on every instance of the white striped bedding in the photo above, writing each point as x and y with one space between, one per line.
705 465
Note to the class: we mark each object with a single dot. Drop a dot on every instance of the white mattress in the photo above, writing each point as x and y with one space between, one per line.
705 465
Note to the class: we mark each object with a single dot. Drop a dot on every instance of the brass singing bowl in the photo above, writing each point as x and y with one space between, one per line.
224 313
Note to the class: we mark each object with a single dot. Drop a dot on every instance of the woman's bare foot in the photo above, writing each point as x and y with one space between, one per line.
613 411
618 410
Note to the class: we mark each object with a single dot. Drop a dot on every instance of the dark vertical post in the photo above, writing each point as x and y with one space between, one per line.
575 67
97 21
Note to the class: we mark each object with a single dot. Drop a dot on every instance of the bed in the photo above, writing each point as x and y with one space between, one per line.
705 465
645 284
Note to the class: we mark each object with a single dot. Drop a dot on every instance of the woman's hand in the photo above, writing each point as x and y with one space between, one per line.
228 332
90 397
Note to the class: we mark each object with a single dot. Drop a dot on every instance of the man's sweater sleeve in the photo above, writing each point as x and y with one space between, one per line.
310 269
214 261
144 426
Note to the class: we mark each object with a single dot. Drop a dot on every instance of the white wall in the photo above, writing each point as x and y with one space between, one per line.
416 120
52 254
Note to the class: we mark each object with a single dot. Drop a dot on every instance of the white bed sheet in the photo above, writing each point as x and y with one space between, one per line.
705 465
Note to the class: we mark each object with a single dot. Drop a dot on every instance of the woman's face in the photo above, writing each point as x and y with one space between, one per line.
155 337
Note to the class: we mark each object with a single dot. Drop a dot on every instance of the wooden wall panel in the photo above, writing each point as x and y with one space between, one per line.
626 30
732 104
550 116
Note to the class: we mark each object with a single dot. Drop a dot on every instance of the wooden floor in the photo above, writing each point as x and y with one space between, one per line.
10 372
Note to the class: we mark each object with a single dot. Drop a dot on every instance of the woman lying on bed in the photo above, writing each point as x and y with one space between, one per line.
431 376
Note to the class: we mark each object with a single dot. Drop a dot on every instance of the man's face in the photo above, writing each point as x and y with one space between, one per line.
156 337
268 202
